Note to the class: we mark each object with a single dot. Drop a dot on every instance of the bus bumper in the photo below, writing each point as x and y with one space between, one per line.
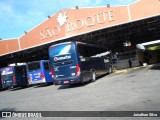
68 81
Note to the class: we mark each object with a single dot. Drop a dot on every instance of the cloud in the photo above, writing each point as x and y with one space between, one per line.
125 2
98 2
80 3
17 16
5 8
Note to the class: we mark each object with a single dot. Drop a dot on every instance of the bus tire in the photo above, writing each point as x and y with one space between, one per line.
93 76
26 86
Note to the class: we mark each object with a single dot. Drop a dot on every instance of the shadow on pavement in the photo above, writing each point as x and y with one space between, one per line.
18 88
73 86
42 85
1 90
80 84
8 110
155 67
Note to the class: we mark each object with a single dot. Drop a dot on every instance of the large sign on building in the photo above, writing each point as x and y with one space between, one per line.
89 21
72 22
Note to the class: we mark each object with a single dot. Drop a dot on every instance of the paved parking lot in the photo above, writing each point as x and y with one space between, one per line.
135 90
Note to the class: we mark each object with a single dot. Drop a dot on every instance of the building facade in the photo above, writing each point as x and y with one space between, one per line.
120 28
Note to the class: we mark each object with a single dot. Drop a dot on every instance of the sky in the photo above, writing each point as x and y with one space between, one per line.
17 16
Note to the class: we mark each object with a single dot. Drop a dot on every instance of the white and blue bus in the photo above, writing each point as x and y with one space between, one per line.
38 72
76 62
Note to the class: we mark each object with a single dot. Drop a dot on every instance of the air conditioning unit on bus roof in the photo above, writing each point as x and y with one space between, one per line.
102 54
14 64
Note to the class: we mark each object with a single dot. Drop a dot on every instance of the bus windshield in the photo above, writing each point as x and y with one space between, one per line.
62 52
34 66
62 49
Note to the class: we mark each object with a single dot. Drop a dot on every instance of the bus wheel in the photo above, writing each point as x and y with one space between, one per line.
26 86
93 76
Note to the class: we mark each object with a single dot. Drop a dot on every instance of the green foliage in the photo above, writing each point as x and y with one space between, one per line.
153 48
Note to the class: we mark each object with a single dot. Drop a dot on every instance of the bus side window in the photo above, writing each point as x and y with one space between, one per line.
46 66
19 71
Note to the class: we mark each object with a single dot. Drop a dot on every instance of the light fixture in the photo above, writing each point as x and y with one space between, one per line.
77 7
25 32
127 43
108 5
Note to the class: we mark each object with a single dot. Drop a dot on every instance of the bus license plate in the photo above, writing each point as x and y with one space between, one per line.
66 82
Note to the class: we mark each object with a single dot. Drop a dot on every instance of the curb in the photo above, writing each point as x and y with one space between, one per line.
121 71
128 69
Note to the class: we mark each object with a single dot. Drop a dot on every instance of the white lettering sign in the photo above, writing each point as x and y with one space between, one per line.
50 32
81 22
62 58
89 21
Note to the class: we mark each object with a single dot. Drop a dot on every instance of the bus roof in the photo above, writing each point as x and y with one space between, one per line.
77 42
38 61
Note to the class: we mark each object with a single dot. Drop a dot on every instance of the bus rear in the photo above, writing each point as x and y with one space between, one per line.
21 76
38 72
8 77
35 73
64 63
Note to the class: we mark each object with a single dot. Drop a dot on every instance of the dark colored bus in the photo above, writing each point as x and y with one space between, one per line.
76 62
14 76
39 72
0 81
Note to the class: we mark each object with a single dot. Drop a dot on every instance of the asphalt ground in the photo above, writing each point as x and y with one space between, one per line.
132 90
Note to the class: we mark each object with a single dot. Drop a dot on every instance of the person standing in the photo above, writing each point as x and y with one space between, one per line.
130 63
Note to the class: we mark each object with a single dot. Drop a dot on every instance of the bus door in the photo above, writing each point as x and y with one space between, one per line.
21 75
35 73
64 61
8 77
47 73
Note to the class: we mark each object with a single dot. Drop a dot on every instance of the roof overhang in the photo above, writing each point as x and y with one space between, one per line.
153 45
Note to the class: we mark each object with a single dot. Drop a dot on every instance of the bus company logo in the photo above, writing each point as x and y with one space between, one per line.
7 69
77 24
62 58
3 72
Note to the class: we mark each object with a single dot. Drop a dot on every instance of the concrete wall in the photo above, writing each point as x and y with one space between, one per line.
152 57
124 64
